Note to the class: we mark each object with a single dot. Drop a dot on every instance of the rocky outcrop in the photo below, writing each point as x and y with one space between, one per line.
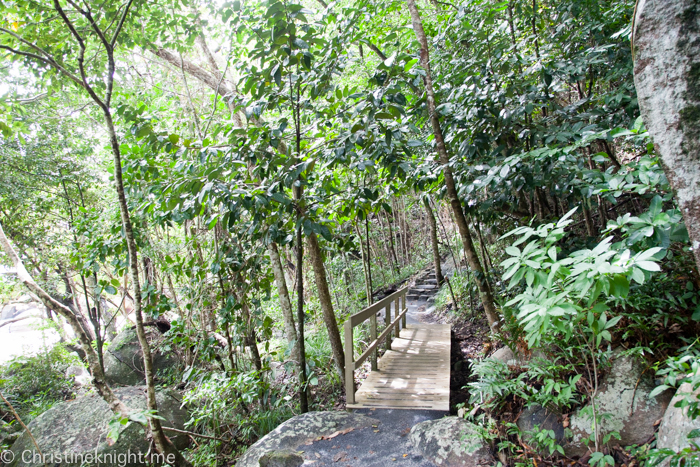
625 407
279 445
123 358
675 424
451 442
75 431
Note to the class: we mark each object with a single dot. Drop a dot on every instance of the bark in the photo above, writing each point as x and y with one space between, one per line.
98 376
472 257
285 303
365 266
324 297
666 46
163 443
434 241
303 398
391 243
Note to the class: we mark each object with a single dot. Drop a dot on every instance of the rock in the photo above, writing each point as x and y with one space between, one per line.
299 430
16 310
675 424
624 396
504 354
77 431
451 441
123 358
79 374
537 416
281 459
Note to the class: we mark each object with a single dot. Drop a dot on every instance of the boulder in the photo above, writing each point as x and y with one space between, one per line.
281 459
451 442
504 354
543 419
17 310
123 358
297 431
675 424
79 375
623 402
75 432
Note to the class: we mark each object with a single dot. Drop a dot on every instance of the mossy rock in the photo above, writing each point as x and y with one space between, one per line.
296 431
123 358
77 430
451 442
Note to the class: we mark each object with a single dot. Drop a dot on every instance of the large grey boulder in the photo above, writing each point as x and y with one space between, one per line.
624 404
675 424
297 431
18 310
538 418
123 358
451 442
75 432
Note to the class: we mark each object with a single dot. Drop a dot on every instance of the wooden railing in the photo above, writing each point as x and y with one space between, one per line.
370 313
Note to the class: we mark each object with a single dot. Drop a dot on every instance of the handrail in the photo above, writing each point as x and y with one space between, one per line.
400 309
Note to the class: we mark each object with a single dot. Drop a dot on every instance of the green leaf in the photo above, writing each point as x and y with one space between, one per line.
414 143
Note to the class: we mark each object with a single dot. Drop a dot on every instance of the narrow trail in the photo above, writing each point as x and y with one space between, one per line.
387 443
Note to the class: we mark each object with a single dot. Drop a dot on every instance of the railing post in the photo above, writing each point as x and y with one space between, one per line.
397 311
373 337
403 320
387 320
349 365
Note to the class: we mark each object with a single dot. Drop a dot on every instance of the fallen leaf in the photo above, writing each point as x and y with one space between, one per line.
318 456
405 455
340 456
376 431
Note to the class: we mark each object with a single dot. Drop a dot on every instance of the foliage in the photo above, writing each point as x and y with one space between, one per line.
32 384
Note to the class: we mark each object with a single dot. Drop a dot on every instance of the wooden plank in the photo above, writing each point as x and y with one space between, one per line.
415 374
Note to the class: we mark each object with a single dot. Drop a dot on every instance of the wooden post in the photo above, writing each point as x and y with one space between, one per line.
373 337
397 312
349 365
403 320
387 320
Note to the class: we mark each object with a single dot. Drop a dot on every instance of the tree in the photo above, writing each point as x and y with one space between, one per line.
667 76
453 196
87 32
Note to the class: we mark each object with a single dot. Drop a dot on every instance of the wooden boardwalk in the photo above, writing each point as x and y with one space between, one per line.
414 374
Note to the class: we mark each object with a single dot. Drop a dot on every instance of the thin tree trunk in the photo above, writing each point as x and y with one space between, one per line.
472 257
368 251
391 242
285 303
368 280
303 399
324 296
434 241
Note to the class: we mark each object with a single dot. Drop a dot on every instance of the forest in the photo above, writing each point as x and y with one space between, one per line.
196 196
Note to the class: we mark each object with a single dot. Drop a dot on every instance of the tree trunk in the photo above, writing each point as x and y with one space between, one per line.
365 265
285 303
472 257
324 296
666 46
434 241
163 443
